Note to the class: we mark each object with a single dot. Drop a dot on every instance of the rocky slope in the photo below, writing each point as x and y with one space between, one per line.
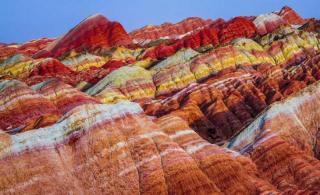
196 107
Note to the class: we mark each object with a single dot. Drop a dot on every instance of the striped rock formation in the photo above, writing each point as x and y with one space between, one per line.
169 30
93 34
266 23
29 48
223 104
312 25
165 157
197 107
290 16
83 61
63 96
50 68
17 65
214 34
125 83
23 109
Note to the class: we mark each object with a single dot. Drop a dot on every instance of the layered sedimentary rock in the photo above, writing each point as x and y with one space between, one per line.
221 105
93 34
312 25
290 131
48 68
197 107
29 48
290 16
83 61
166 156
23 109
169 30
17 65
125 83
296 113
235 28
266 23
63 96
215 34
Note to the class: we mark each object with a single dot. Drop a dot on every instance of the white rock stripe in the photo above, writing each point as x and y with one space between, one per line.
147 160
181 133
78 119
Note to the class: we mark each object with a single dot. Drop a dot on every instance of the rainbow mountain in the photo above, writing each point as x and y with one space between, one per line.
202 106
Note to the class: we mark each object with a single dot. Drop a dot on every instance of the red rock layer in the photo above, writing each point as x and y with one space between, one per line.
29 48
53 68
63 96
70 79
92 34
290 16
109 157
6 51
94 150
312 25
50 67
222 105
169 30
23 109
286 166
229 172
94 75
283 142
113 64
160 52
215 34
236 28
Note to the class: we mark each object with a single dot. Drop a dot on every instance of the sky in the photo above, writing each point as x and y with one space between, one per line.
23 20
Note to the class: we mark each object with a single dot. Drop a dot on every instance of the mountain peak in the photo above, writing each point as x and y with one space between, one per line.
290 16
92 34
